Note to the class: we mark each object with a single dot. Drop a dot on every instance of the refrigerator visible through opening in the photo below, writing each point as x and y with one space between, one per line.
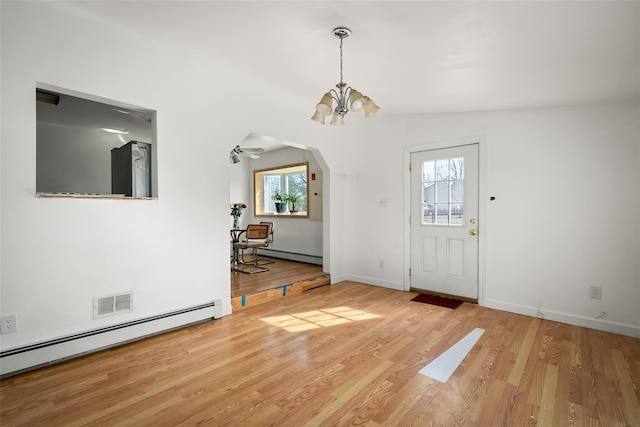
131 169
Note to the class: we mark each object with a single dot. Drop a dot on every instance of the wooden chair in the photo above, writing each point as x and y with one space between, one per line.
253 237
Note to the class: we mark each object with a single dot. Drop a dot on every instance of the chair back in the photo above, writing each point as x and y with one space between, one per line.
270 224
257 231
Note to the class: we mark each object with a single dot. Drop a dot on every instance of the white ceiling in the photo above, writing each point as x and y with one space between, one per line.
410 57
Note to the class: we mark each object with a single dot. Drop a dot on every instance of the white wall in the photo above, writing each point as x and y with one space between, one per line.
564 218
297 235
173 253
59 253
240 191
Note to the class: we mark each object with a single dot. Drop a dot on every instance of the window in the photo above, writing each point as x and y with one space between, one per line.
90 146
443 190
282 191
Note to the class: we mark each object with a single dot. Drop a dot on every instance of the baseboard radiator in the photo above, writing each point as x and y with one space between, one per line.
291 256
33 356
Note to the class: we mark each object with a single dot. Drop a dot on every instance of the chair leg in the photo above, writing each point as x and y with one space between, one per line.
263 261
257 268
253 256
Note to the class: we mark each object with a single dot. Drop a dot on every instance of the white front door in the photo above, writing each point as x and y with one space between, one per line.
444 221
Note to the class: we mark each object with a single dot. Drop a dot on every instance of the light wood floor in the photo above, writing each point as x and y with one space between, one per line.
280 273
345 354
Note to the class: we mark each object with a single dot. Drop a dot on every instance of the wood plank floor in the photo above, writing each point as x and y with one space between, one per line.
340 355
284 279
280 272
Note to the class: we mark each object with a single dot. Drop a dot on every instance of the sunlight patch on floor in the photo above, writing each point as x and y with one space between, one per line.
318 318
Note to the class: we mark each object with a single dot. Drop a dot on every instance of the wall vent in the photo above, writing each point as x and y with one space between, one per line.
108 305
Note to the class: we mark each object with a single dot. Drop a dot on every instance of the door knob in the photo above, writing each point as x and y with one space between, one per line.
473 232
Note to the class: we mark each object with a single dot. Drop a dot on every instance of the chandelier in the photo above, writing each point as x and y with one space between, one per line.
345 95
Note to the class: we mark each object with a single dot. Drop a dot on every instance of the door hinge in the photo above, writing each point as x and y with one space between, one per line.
409 166
409 271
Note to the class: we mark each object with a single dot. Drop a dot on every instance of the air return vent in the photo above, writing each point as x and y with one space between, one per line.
108 305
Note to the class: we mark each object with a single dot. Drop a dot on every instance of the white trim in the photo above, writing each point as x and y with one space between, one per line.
374 281
597 324
481 140
338 279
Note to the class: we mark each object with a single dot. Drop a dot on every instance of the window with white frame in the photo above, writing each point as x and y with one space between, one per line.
282 191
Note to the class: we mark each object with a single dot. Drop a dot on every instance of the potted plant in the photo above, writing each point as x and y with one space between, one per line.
280 200
293 199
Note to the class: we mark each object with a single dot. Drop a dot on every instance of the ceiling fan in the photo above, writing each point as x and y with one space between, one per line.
252 153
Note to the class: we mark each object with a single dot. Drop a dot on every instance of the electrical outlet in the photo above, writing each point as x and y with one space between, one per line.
8 324
595 292
381 263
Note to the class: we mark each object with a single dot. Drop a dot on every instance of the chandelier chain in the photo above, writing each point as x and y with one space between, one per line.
341 60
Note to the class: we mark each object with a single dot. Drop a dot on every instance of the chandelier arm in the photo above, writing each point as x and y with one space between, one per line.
347 92
335 96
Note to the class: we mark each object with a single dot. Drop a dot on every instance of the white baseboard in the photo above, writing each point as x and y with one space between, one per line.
338 279
291 256
571 319
598 324
25 358
376 282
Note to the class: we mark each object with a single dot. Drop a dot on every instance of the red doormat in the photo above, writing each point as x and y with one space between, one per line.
440 301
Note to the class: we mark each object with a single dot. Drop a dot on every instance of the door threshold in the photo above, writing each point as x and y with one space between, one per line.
443 295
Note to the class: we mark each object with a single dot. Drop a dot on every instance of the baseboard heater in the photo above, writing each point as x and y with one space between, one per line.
291 256
33 356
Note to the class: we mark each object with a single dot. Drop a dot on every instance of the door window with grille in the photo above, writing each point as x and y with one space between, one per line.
443 191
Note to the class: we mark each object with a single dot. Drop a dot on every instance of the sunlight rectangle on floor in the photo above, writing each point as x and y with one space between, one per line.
444 365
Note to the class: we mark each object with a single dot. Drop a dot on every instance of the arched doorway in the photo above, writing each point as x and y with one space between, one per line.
299 246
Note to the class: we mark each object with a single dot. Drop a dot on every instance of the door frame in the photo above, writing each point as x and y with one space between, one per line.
483 220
